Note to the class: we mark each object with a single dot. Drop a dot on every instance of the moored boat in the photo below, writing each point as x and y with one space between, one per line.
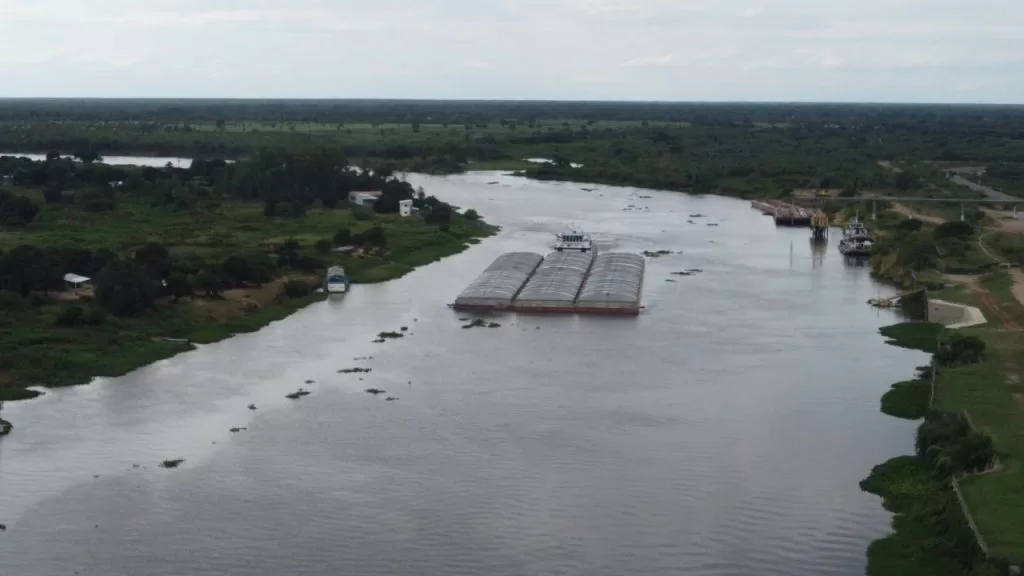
857 241
337 281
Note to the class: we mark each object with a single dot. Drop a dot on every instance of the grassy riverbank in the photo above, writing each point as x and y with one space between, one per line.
931 535
988 397
181 263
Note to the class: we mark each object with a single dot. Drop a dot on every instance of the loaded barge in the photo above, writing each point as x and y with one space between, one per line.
566 282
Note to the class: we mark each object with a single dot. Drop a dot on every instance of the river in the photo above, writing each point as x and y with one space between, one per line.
151 161
722 432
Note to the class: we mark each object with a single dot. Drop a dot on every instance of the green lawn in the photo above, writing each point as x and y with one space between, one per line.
992 393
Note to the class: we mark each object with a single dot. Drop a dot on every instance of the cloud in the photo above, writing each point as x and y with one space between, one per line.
910 50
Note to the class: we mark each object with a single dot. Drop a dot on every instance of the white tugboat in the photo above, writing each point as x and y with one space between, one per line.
573 240
857 241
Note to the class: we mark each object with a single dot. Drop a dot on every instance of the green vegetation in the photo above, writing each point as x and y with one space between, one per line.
922 336
930 535
178 257
733 149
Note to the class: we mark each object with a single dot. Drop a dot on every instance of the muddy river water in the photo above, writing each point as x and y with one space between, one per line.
722 432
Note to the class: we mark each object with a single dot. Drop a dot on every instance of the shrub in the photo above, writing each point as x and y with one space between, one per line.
70 317
322 246
343 237
362 214
298 289
12 301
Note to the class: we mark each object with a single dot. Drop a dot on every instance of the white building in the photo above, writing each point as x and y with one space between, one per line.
405 208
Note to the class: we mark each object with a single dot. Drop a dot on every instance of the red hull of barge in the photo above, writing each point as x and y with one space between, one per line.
633 311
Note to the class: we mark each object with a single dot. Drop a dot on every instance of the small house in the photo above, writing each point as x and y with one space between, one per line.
405 208
365 198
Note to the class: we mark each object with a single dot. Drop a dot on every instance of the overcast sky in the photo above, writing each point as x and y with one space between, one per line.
750 50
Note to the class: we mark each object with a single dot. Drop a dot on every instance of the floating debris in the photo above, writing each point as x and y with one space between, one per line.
712 224
683 273
494 325
696 215
690 222
3 527
360 358
310 381
405 328
172 463
477 323
379 341
252 406
355 370
390 335
236 430
298 394
375 391
670 280
657 253
391 398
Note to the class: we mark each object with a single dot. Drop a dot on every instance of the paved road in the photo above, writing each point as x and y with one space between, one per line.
988 191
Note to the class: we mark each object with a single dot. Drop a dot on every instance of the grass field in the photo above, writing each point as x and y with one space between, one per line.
992 393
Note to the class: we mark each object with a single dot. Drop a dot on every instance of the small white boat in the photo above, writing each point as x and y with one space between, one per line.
337 281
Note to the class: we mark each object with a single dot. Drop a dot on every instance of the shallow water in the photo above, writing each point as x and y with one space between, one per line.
722 432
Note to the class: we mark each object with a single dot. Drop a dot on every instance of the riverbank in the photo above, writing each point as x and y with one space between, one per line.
170 258
972 522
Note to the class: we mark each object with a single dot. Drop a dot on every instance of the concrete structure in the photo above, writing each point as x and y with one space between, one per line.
952 315
365 198
405 208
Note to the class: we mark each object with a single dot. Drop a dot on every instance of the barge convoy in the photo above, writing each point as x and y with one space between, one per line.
567 282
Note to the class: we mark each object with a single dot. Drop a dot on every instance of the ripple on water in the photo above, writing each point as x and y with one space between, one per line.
721 433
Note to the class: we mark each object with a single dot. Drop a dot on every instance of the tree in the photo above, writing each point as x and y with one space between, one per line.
124 289
343 237
439 214
88 156
236 270
209 281
155 260
472 215
178 285
70 317
53 195
16 210
322 246
47 272
961 230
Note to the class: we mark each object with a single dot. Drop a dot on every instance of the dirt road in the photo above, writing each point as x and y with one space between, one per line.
906 211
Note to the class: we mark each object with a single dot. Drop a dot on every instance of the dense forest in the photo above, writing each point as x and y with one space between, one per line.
738 149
